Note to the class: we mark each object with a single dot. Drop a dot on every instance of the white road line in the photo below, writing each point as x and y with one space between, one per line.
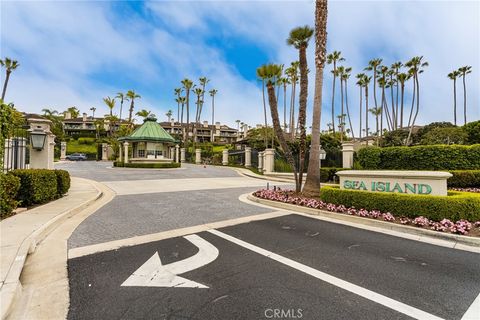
473 313
365 293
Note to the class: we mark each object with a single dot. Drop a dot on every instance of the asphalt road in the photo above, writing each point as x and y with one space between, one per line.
288 267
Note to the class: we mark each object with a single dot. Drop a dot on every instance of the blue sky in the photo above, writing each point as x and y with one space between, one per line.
75 53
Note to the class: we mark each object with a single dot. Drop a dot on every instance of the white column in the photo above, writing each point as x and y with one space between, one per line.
260 161
225 157
347 154
248 157
125 147
63 150
104 152
198 156
269 163
42 159
182 155
177 151
120 153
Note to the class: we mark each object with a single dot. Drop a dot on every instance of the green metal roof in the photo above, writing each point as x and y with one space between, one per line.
149 131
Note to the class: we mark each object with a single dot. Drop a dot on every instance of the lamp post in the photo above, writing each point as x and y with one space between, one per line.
37 139
323 155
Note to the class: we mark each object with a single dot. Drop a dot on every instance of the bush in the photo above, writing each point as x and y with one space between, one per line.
464 179
36 186
455 206
147 165
63 182
329 174
9 185
438 157
86 141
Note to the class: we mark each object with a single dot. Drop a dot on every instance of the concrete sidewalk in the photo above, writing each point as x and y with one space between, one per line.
21 234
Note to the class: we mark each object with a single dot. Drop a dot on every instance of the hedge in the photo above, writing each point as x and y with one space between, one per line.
327 174
455 206
63 182
163 165
36 186
9 185
434 157
464 179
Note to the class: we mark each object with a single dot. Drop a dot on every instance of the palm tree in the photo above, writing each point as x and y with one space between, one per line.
453 76
334 57
339 73
199 102
344 78
416 67
74 112
402 78
373 65
292 74
203 82
112 121
144 114
178 93
463 72
187 85
238 124
271 73
9 65
299 38
169 115
93 109
182 100
284 82
366 81
49 112
376 112
262 74
395 67
110 104
212 93
131 95
361 84
122 98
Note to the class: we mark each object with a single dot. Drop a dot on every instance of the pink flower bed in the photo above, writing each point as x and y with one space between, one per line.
476 190
287 196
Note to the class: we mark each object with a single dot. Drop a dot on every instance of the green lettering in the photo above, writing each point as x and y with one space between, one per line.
381 186
388 187
373 186
398 188
427 190
409 187
362 186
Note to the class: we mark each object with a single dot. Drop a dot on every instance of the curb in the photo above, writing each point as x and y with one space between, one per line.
414 233
12 287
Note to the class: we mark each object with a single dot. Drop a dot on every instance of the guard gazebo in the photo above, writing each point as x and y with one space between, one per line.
150 143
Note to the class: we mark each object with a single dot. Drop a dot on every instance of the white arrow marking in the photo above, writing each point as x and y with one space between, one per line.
153 274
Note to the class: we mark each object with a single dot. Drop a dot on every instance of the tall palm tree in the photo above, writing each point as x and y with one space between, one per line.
238 124
453 76
169 115
271 73
344 78
132 95
366 81
93 109
49 112
121 96
292 74
212 93
187 85
463 72
262 74
312 182
339 73
203 83
361 84
284 82
299 38
416 65
199 93
178 93
402 78
110 102
373 66
74 112
9 66
334 57
382 83
395 67
182 100
144 113
376 112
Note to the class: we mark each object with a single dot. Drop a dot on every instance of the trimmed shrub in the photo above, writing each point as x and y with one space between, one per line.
86 140
455 206
63 182
438 157
9 185
147 165
36 186
464 179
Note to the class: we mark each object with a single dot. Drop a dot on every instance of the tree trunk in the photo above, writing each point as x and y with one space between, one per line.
281 137
464 101
302 110
455 101
348 110
415 80
333 95
401 107
341 129
285 106
366 111
360 133
4 91
413 104
121 107
312 182
292 123
265 114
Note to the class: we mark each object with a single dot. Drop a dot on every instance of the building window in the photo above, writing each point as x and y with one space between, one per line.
141 153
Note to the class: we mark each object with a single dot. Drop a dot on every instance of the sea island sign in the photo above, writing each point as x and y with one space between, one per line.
406 182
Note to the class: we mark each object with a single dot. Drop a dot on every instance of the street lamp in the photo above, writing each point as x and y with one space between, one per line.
37 138
323 153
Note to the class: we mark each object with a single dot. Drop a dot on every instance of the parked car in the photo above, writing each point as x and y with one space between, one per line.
76 157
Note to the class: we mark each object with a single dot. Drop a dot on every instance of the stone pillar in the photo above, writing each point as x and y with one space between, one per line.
347 154
120 153
125 146
225 157
63 150
104 152
269 162
42 159
260 161
198 156
248 157
182 155
177 151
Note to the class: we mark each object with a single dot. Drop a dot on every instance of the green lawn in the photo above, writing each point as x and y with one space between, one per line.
74 147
